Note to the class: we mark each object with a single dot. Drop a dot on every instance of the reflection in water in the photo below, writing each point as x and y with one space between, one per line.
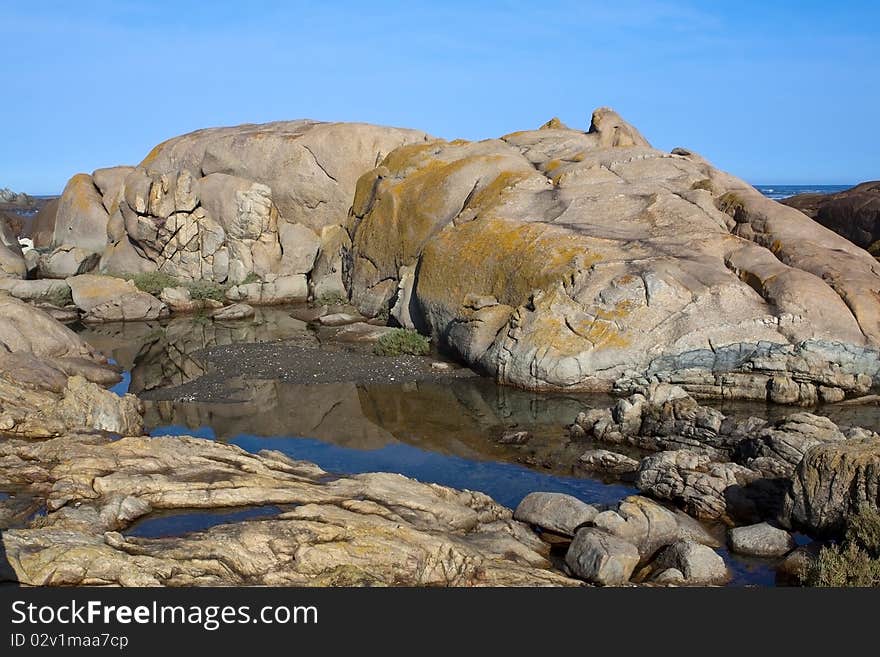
437 431
162 354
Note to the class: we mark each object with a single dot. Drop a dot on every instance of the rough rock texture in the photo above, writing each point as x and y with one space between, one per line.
371 529
853 213
24 328
761 540
832 481
699 564
81 218
42 230
67 261
48 291
11 258
555 512
109 299
604 461
642 522
562 259
224 203
233 312
711 465
601 558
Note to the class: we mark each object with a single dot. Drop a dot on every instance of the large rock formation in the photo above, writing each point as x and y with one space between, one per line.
227 204
853 213
11 258
556 258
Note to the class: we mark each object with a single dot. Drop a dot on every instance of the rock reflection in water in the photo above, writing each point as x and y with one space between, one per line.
162 354
463 417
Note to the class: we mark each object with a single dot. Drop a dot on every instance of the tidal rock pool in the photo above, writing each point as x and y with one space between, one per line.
276 382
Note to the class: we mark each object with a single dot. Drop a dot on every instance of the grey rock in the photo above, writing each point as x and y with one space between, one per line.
601 558
642 522
234 312
699 564
512 437
555 512
761 540
601 460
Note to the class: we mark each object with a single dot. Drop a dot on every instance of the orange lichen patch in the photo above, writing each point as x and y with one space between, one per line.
153 154
552 165
459 142
508 260
81 193
411 155
776 247
493 193
579 157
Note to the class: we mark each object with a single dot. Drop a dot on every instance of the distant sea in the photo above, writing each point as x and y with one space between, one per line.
777 192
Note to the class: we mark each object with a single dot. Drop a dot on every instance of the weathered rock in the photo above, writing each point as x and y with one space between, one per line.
233 312
601 460
300 248
761 540
109 299
327 276
361 332
642 522
67 261
555 512
833 481
601 558
339 319
38 291
779 449
853 213
699 564
111 185
705 489
366 529
42 230
26 329
11 258
121 258
81 218
280 290
609 262
510 437
38 400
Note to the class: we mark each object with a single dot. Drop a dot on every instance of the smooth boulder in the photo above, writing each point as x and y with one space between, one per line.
761 540
109 299
601 558
555 512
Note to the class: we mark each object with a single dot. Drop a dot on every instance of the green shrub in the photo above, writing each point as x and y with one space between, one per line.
855 561
250 278
152 282
204 290
730 203
402 341
331 299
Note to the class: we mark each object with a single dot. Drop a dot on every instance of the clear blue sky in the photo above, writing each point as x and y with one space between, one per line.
776 92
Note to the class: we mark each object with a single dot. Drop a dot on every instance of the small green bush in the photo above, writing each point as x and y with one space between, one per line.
152 282
705 183
332 299
854 562
204 290
250 278
731 203
402 341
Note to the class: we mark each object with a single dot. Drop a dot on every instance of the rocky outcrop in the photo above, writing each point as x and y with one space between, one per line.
26 329
42 230
224 204
81 218
366 529
853 213
109 299
833 481
561 259
711 465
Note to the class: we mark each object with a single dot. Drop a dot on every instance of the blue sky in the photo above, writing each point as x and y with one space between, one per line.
775 92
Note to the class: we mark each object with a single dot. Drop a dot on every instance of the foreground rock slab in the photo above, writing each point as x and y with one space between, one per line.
369 529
